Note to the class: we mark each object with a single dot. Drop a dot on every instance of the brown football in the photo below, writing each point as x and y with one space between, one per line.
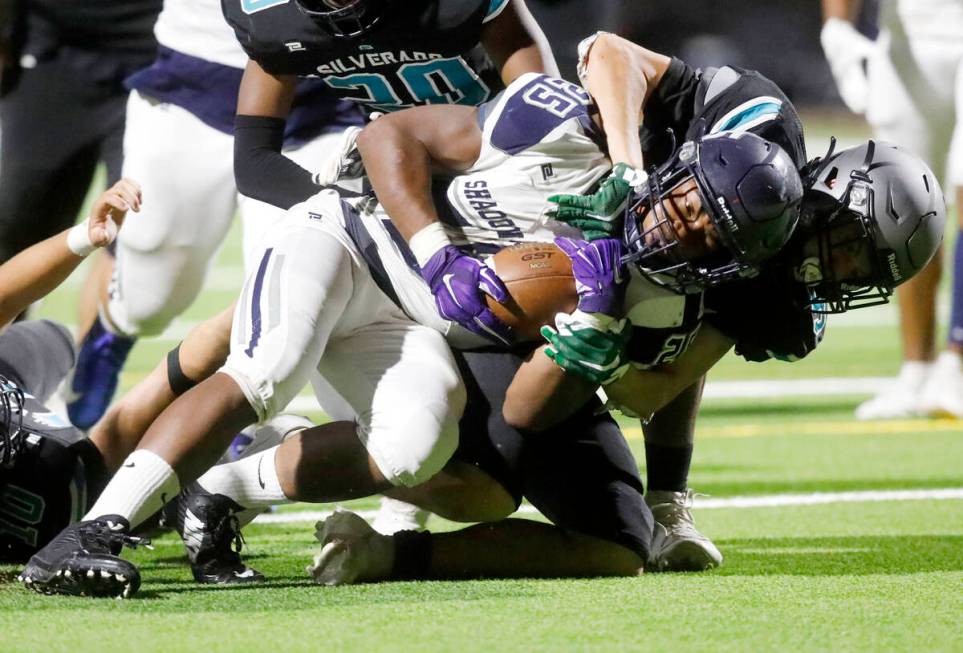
539 279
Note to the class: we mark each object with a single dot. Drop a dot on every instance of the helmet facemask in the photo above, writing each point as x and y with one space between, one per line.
11 422
841 263
343 20
749 172
655 249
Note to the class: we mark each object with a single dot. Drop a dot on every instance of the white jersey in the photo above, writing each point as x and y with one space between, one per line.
197 28
538 140
935 21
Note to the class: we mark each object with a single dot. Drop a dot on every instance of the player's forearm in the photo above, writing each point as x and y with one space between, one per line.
617 79
517 44
644 392
33 273
542 394
398 164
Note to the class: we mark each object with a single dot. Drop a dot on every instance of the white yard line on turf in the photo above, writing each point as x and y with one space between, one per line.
769 388
701 503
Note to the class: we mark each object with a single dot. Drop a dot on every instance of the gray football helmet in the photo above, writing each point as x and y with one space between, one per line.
873 216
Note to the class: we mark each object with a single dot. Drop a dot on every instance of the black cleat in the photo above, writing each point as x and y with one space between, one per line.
208 526
83 561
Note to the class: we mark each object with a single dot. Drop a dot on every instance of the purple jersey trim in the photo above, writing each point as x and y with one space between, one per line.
209 91
256 303
531 112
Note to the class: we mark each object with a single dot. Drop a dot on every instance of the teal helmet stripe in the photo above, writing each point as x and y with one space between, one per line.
749 114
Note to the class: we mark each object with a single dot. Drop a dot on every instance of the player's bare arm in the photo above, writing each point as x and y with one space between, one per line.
400 150
517 45
263 94
542 394
620 76
643 392
36 271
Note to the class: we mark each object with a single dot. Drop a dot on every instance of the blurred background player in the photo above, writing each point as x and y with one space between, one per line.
62 66
909 84
179 144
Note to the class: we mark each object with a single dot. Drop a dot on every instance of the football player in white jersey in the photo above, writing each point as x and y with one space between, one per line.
179 143
396 374
909 84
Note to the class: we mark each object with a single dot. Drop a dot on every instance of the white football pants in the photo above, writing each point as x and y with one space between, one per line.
310 304
186 171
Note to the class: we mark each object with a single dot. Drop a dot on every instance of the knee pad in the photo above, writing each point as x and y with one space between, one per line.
415 447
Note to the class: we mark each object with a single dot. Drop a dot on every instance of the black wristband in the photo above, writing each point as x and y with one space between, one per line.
179 382
412 555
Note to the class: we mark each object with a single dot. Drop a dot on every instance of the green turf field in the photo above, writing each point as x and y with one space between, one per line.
863 574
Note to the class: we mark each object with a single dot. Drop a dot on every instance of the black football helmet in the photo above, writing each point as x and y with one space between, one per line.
751 191
874 210
344 18
11 422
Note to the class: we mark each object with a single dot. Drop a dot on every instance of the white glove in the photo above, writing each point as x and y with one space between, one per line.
344 163
847 51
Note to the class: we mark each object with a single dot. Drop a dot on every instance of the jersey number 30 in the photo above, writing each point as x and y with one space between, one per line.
438 81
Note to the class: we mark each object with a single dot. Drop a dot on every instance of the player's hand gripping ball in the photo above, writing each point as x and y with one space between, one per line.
539 280
600 275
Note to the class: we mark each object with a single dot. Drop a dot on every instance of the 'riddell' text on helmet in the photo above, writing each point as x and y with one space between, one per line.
874 216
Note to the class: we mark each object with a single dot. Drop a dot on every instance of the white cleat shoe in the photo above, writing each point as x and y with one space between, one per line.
902 399
351 551
677 545
942 396
395 515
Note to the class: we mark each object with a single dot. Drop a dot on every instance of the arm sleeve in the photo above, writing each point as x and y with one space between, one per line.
261 171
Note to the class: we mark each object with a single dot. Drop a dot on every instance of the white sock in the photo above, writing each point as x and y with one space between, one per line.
251 482
142 485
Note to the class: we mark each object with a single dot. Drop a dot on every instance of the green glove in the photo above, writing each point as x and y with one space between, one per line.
588 347
599 215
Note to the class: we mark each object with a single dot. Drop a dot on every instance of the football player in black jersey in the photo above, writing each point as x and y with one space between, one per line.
620 524
618 74
383 54
50 473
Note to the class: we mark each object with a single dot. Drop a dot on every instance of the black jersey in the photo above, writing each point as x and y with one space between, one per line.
420 52
767 316
690 102
51 483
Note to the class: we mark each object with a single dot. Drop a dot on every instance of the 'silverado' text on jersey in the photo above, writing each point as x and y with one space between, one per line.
419 52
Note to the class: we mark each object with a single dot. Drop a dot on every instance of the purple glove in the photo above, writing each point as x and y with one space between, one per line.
457 281
600 277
